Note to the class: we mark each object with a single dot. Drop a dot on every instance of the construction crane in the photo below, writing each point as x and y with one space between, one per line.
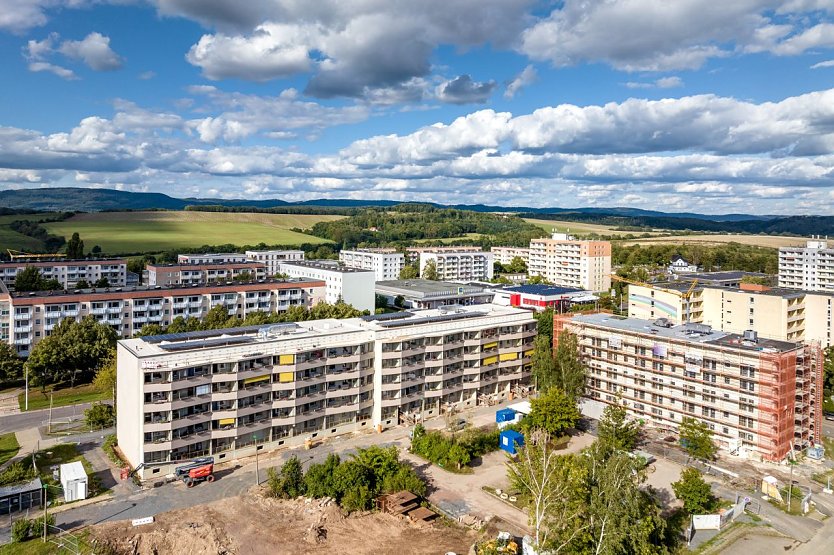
17 255
684 295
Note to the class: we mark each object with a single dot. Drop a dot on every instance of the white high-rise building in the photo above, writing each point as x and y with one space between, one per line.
386 263
273 259
810 267
351 285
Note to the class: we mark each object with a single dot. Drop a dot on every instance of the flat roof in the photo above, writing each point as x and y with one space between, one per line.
426 287
333 266
543 290
61 261
161 289
688 333
16 489
732 275
208 265
208 339
381 250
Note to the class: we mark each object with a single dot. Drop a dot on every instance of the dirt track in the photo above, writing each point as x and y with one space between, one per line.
255 525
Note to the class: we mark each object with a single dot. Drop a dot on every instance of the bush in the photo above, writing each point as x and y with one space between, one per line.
100 415
288 483
21 529
109 446
17 472
449 451
37 525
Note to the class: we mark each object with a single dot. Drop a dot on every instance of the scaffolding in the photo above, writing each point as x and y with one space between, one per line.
777 389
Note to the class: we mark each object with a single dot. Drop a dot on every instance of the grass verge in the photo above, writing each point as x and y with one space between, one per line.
62 397
8 447
48 459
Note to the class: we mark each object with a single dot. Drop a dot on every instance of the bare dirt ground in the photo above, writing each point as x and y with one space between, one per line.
254 525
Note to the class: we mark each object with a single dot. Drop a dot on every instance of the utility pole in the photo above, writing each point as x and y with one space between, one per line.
49 426
26 396
45 496
257 467
790 486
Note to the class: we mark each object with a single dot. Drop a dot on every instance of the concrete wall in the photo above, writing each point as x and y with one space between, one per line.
129 405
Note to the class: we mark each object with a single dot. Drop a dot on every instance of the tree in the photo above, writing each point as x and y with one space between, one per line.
553 412
405 478
399 301
216 318
318 481
82 284
544 367
96 250
354 484
105 379
11 365
616 432
410 271
244 276
288 483
516 266
696 438
30 279
554 484
430 270
569 370
538 280
75 246
21 528
102 283
380 301
544 323
100 415
695 493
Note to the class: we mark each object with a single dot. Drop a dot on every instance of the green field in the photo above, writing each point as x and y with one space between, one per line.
8 447
62 397
133 232
10 239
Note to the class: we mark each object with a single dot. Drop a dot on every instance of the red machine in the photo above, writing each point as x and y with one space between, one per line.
197 471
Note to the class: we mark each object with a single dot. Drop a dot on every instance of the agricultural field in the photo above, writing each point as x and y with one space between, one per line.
133 232
772 241
10 239
580 228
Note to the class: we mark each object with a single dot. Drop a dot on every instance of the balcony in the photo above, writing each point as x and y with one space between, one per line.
70 313
23 329
98 311
22 341
21 316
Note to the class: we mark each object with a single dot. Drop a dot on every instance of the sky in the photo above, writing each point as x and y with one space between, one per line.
680 106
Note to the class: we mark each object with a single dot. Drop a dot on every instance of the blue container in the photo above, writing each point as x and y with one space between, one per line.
510 441
504 415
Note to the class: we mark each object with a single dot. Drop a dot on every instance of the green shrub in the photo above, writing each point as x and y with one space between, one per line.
17 472
21 529
37 525
450 451
109 445
288 483
100 415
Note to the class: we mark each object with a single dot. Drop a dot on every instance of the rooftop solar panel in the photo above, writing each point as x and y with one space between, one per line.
206 343
185 336
431 319
388 316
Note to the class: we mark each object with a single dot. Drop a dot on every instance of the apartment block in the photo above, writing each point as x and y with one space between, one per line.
273 259
70 272
212 258
506 255
351 285
460 265
569 262
773 312
386 263
760 397
412 254
188 274
28 317
228 393
810 268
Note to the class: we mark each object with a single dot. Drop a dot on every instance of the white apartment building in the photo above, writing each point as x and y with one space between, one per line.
505 255
351 285
412 254
760 397
26 318
228 393
70 272
386 263
188 274
212 258
563 260
459 265
810 268
273 259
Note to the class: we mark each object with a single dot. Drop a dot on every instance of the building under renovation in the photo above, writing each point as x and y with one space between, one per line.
761 398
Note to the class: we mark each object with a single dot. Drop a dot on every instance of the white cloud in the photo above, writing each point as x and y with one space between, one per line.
94 50
662 83
826 63
523 79
61 72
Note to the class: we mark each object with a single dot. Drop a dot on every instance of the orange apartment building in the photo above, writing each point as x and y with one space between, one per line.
761 398
569 262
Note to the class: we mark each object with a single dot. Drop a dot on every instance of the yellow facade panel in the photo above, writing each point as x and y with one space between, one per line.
285 377
508 356
256 379
489 360
284 360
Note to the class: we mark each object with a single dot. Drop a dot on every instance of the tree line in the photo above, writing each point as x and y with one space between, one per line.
730 256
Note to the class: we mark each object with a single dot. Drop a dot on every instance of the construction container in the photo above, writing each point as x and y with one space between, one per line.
510 441
74 481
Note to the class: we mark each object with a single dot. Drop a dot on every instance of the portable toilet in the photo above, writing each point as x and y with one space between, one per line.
74 481
509 440
505 417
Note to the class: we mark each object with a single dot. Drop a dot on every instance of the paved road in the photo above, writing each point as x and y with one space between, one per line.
35 418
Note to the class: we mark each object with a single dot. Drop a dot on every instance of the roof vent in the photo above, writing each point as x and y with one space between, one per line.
751 336
663 323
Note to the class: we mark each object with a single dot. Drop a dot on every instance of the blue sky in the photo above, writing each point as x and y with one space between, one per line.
689 105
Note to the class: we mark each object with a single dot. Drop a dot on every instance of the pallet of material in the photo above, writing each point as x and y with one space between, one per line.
422 514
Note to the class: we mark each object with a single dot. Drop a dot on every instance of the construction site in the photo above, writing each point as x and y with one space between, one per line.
256 524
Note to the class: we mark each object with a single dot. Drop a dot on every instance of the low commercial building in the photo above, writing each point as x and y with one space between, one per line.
227 393
459 265
212 258
424 293
385 263
28 317
731 278
21 497
569 262
542 297
505 255
273 258
351 285
773 312
188 274
760 397
70 272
